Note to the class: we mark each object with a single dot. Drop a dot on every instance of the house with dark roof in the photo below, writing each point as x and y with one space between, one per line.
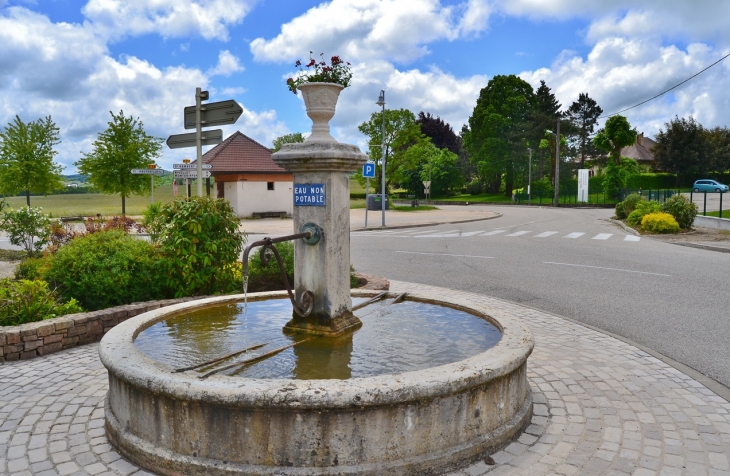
641 152
246 176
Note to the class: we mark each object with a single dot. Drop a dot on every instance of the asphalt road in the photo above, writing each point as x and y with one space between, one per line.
670 298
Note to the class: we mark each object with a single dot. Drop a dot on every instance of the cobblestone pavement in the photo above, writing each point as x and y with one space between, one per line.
601 407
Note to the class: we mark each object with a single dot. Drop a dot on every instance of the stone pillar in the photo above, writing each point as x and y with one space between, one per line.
323 268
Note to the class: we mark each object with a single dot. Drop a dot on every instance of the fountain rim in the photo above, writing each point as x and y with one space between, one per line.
121 357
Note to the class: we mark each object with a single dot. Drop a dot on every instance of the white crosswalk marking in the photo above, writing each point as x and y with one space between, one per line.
493 232
632 238
575 234
545 234
602 236
519 233
432 233
471 233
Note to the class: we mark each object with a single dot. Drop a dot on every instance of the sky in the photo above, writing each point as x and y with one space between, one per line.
78 61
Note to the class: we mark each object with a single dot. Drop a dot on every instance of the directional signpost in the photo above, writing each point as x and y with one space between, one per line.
427 190
368 171
190 166
204 115
179 141
189 174
150 171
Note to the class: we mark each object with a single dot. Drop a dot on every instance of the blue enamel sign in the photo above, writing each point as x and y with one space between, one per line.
309 194
368 170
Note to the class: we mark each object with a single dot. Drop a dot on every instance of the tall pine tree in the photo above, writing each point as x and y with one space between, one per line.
584 114
545 116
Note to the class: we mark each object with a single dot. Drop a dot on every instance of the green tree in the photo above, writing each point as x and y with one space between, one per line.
616 134
719 138
496 137
684 148
286 139
545 116
123 146
401 132
584 114
26 158
424 161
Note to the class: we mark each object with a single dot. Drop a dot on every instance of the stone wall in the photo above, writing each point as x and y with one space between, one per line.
40 338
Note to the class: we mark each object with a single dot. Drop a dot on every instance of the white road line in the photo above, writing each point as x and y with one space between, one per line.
440 235
443 254
632 238
602 236
575 234
519 233
494 232
610 269
471 233
420 232
545 234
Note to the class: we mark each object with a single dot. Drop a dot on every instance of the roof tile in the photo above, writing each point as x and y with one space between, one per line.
239 153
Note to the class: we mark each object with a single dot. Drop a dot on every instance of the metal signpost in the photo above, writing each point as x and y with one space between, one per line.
204 115
427 190
189 174
151 172
368 171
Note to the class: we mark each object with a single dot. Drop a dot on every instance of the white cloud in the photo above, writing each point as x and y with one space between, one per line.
209 19
64 70
359 30
227 65
620 72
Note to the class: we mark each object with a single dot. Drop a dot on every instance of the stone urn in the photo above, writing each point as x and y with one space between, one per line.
320 100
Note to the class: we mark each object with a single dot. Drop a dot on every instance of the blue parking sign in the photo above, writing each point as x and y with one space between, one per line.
368 170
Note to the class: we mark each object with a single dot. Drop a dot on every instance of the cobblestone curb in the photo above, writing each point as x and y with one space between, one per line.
602 406
35 339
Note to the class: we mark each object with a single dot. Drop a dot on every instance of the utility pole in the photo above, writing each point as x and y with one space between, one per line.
556 200
529 178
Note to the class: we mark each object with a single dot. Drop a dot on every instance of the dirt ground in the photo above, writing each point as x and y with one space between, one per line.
701 236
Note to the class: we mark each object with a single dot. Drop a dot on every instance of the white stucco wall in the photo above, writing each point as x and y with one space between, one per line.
250 197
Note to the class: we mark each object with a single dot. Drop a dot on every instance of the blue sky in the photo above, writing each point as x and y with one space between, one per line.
77 61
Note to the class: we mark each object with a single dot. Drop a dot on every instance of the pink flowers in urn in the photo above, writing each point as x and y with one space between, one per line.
337 71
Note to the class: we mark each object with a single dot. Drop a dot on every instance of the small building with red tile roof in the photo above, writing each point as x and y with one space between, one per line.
641 152
246 176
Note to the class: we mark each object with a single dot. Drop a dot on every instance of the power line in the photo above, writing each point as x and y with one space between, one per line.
662 93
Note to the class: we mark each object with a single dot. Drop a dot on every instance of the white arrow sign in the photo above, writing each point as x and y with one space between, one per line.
191 166
148 171
189 174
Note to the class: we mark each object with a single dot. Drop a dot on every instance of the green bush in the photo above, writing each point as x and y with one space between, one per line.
621 211
30 268
200 243
682 210
106 269
542 188
27 227
31 301
659 222
651 181
151 220
643 207
475 187
630 202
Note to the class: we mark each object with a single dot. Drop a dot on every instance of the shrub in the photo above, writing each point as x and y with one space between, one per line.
542 188
151 220
27 227
200 243
106 269
30 268
643 207
682 210
30 301
631 202
659 222
475 187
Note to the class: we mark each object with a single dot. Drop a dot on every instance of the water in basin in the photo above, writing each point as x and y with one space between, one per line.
394 338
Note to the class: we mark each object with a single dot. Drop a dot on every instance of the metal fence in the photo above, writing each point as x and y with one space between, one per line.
568 197
652 195
713 206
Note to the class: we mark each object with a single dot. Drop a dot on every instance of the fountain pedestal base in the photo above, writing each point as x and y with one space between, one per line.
320 324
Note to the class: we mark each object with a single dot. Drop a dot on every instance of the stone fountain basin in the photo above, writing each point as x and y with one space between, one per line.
423 422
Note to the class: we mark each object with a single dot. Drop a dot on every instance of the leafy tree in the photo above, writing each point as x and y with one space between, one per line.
26 158
495 138
719 138
123 146
584 114
440 132
401 132
684 148
27 227
545 116
286 139
616 134
424 161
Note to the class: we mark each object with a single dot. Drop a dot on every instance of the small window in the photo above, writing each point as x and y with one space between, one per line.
270 185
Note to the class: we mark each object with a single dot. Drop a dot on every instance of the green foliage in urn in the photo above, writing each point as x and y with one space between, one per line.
337 72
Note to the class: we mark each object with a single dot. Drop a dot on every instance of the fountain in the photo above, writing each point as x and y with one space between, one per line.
425 421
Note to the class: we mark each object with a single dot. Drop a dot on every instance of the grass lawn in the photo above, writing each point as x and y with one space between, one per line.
89 204
725 214
482 198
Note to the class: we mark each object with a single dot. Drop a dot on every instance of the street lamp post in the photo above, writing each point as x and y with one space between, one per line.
556 200
381 102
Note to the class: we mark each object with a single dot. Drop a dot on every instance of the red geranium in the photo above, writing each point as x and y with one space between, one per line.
320 72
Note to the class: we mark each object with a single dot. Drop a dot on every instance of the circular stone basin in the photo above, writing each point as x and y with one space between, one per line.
393 339
420 422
